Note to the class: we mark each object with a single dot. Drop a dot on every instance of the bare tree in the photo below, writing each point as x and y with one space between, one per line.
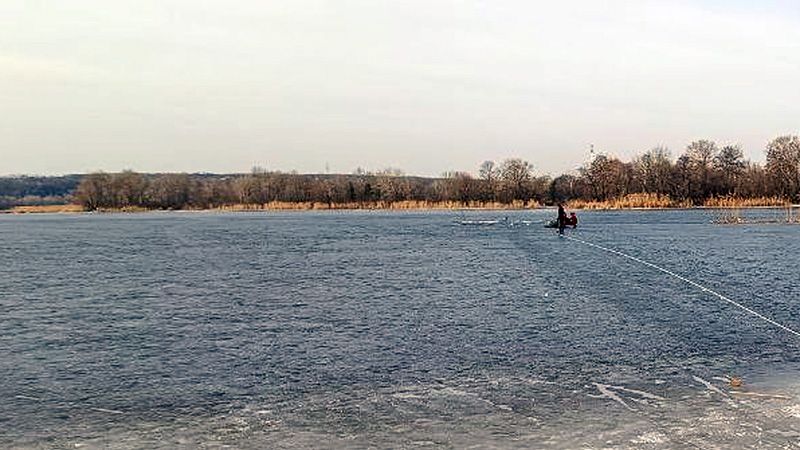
730 164
653 170
783 162
460 186
701 155
517 177
488 173
392 185
755 182
129 189
607 177
170 191
94 191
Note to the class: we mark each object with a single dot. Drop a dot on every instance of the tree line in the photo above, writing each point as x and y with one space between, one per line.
511 181
703 171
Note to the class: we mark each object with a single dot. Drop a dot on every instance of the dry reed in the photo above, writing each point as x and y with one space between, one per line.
631 201
32 209
740 202
399 205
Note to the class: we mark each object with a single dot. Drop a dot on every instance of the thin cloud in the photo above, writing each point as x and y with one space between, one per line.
426 86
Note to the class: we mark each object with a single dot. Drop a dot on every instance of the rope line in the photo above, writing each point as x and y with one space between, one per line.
688 281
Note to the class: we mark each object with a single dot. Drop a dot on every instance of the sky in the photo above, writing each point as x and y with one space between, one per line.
424 86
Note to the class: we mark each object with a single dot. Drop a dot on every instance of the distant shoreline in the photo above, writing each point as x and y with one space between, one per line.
400 206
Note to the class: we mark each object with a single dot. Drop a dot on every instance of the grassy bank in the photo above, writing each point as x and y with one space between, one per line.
300 206
738 202
631 201
33 209
401 205
656 201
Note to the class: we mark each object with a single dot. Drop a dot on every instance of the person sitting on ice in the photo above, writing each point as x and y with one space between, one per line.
573 220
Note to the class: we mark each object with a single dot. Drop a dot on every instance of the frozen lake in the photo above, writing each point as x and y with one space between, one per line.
386 329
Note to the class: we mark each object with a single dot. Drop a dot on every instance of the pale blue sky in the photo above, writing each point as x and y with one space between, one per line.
426 86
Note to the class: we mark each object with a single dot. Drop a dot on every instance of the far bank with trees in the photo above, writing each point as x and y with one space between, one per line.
704 174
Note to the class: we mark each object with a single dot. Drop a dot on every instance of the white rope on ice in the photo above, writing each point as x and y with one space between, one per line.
688 281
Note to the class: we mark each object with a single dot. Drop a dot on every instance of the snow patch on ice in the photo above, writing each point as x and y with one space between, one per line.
651 437
793 411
